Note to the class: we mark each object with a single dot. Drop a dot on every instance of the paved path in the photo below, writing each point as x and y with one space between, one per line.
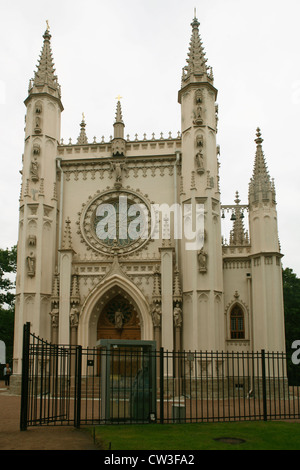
36 438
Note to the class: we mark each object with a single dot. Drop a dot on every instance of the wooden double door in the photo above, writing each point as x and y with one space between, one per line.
119 319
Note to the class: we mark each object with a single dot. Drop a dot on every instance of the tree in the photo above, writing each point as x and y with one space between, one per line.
291 298
8 266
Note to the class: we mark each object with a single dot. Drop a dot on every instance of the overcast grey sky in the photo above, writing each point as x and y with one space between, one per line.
137 49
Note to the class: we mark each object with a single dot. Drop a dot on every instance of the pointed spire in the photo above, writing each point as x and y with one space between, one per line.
156 294
260 167
238 235
260 182
118 142
75 295
196 58
67 238
55 286
82 139
119 118
177 293
119 124
45 74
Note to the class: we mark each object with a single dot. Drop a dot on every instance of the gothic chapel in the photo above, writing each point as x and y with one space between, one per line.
76 287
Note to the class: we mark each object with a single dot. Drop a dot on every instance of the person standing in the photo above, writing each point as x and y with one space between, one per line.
7 374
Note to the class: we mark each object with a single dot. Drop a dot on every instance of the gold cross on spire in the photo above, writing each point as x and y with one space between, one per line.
119 97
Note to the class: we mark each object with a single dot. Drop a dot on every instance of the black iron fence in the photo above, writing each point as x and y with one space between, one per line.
121 383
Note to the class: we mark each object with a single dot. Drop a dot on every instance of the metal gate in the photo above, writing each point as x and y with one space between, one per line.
71 385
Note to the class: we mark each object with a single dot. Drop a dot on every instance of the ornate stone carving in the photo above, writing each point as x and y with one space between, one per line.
198 109
202 259
118 168
34 170
37 125
177 313
199 141
54 317
156 314
118 147
119 318
199 163
74 315
198 96
36 149
31 240
31 265
89 221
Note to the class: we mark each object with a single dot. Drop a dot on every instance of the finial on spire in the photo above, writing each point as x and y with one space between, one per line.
119 117
119 97
82 139
260 183
45 74
258 139
237 198
196 68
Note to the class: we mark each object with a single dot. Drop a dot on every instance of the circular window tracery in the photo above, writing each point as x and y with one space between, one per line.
116 218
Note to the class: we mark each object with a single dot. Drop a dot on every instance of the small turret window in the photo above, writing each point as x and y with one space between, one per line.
237 323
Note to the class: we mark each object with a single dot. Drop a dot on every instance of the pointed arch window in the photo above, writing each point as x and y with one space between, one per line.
237 323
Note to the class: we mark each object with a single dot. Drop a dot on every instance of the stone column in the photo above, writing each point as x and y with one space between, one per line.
74 320
167 340
66 257
178 361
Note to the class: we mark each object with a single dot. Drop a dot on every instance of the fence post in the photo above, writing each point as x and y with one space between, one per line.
161 375
264 382
78 366
25 377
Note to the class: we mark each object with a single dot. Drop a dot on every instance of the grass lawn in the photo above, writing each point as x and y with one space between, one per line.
258 435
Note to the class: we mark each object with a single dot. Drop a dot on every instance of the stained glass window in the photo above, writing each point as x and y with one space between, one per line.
237 324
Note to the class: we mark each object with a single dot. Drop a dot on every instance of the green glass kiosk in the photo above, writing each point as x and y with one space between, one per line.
128 380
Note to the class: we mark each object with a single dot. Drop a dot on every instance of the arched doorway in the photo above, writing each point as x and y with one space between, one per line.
118 318
98 298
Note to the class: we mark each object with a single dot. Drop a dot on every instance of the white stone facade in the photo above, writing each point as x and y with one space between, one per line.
70 284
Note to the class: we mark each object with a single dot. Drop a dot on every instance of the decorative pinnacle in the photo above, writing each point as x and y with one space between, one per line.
45 74
258 140
119 117
237 198
195 23
82 139
67 238
260 183
196 61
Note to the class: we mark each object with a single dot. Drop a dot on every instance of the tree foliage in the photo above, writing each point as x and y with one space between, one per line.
8 267
291 298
